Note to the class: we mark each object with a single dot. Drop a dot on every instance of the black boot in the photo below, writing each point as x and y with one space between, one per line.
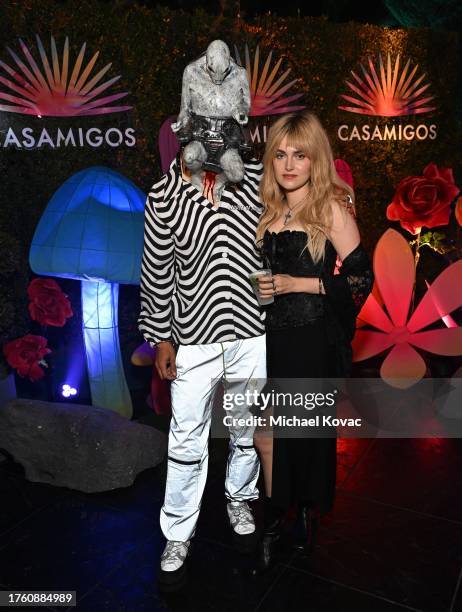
306 527
270 540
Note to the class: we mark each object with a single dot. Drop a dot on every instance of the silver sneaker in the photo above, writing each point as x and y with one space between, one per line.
241 518
174 555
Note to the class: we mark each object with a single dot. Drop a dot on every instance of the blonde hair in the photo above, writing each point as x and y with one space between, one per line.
305 133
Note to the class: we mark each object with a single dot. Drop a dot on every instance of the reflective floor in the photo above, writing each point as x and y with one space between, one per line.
393 542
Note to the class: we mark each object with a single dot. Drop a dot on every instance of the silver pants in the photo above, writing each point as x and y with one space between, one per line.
241 364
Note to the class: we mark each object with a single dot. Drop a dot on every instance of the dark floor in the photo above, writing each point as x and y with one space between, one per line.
393 542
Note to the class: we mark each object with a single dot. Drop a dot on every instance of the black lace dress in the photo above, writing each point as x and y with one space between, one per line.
309 336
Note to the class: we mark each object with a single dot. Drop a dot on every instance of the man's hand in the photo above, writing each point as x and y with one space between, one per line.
165 361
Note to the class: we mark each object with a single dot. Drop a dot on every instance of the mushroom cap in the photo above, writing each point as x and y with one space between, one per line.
91 229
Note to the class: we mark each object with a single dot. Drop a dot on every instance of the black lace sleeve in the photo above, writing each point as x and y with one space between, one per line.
345 295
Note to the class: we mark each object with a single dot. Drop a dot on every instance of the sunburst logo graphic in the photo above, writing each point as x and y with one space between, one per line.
56 89
266 86
396 92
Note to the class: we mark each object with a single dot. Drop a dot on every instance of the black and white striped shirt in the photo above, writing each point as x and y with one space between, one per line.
197 259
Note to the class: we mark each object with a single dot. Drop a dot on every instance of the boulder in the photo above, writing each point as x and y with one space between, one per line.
81 447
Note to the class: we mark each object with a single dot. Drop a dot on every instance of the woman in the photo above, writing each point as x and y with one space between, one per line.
308 220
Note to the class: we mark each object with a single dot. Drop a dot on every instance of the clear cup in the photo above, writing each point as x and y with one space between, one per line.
254 282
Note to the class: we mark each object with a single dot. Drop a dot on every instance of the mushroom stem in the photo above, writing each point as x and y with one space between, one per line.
104 361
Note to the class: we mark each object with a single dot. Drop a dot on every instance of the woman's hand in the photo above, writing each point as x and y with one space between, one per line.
284 283
265 286
277 284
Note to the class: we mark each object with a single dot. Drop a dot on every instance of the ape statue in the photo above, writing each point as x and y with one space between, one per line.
215 101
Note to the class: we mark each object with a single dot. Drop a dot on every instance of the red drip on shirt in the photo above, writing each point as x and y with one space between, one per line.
209 184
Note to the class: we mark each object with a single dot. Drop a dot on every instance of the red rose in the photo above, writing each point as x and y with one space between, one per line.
424 200
25 355
49 305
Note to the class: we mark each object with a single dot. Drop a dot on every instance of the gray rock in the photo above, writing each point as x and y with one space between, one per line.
81 447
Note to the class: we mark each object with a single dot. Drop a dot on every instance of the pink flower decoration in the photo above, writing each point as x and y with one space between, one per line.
344 171
394 270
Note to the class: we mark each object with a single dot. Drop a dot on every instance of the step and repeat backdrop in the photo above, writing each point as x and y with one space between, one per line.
94 84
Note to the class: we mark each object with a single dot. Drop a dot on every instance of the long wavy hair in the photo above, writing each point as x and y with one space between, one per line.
305 133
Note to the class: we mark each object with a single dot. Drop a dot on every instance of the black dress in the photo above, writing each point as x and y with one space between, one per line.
309 336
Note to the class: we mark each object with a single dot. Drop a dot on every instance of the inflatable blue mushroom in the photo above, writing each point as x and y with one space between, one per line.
92 231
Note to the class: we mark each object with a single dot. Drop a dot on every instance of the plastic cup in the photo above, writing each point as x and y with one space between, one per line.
254 282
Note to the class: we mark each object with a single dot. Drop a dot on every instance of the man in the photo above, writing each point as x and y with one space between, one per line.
196 294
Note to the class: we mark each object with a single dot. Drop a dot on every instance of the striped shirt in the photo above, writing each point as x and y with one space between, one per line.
197 258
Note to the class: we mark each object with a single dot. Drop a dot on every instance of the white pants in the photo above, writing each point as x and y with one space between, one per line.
241 364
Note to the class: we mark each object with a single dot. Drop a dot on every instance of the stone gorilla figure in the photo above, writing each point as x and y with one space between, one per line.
215 94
